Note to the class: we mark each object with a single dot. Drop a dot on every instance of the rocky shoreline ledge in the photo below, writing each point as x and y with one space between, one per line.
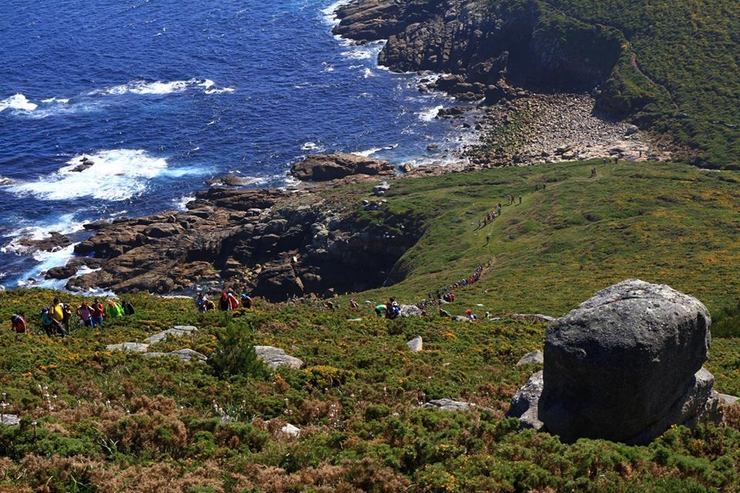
276 243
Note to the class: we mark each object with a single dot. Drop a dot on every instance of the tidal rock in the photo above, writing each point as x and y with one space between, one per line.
625 364
275 357
132 347
449 405
324 167
533 358
524 404
55 241
416 344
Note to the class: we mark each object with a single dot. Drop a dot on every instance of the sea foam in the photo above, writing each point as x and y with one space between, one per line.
17 102
116 174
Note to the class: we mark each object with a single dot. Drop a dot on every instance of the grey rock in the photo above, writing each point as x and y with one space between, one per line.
533 358
184 354
176 331
10 419
132 347
416 344
449 405
275 357
411 311
291 430
533 317
524 404
617 366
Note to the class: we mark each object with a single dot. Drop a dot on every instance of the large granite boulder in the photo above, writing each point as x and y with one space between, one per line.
323 167
626 364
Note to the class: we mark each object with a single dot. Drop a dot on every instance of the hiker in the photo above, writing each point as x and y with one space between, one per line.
113 310
223 303
18 324
56 312
233 301
470 315
520 200
85 313
353 304
393 309
593 172
444 313
97 312
67 320
128 308
50 325
246 301
380 309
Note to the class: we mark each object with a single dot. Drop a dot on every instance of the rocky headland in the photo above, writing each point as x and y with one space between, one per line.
276 243
544 95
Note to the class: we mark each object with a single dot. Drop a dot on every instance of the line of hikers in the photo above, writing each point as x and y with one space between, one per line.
56 319
228 301
446 294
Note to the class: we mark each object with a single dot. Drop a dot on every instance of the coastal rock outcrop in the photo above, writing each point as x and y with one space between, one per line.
624 366
324 167
275 243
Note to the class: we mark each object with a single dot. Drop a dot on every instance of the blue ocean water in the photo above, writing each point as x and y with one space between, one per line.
162 95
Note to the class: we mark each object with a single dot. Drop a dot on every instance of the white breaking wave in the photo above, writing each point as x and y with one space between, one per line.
182 202
312 146
430 114
368 152
143 87
114 175
17 102
330 12
64 224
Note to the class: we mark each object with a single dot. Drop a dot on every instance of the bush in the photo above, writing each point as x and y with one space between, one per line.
235 354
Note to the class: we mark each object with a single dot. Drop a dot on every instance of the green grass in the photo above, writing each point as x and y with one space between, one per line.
107 421
665 223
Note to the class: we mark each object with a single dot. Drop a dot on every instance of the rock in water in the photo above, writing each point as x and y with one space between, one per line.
323 167
625 365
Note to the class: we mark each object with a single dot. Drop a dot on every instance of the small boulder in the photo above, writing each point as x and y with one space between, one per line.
275 357
186 354
291 430
533 358
411 311
449 405
131 347
524 404
9 419
416 344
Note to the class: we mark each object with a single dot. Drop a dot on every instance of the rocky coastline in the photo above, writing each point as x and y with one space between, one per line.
535 105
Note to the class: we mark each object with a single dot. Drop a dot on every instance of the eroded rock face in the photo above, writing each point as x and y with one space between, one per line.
483 43
275 243
626 364
324 167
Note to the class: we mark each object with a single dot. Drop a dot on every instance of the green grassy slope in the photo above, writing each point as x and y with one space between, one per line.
667 223
107 421
678 71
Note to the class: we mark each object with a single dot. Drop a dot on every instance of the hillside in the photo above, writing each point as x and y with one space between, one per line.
670 67
100 420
